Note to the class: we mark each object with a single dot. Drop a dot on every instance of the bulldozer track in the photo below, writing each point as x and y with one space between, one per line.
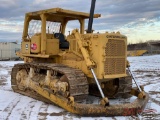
125 86
78 84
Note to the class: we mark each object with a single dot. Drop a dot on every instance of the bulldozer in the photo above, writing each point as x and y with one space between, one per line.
64 69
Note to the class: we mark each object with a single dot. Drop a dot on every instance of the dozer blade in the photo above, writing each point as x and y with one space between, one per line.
93 109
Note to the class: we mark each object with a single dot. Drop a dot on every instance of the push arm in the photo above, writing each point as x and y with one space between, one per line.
89 62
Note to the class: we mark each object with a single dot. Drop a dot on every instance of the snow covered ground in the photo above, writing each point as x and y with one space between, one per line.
14 106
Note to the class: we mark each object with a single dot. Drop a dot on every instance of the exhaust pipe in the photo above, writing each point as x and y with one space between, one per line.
90 22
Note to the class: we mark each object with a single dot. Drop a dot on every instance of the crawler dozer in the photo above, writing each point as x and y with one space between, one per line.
65 68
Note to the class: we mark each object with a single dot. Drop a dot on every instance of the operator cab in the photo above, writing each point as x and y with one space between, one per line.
44 30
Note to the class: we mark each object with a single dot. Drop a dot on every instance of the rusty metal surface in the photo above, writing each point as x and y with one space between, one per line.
114 110
118 88
78 85
125 86
37 92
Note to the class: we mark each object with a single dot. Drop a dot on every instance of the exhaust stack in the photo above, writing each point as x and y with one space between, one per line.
90 22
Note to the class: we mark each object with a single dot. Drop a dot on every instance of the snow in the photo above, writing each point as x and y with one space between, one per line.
14 106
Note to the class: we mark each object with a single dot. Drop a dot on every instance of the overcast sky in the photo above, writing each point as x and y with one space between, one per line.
139 20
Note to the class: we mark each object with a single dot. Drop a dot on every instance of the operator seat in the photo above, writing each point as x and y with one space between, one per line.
63 43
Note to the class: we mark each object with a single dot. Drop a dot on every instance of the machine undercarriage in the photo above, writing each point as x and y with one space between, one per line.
68 87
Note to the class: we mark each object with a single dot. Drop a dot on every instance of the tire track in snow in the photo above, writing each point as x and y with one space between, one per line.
153 92
19 108
42 115
27 111
153 89
8 110
35 110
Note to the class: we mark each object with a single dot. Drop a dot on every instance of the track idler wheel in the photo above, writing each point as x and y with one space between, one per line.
21 78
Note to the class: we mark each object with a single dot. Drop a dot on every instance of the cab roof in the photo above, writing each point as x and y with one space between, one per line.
59 14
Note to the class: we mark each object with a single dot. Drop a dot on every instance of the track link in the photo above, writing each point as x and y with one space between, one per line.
78 84
125 86
117 88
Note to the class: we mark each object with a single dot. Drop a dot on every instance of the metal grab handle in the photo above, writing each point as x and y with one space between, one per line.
130 72
99 87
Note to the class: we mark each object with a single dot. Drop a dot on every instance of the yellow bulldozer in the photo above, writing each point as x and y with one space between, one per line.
65 69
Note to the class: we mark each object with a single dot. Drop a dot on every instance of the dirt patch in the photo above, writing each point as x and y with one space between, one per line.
2 82
58 114
43 114
149 75
158 75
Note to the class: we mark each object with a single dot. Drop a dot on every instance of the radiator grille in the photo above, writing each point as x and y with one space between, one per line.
115 57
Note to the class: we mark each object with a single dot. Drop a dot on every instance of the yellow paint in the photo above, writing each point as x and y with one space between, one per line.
105 53
136 52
